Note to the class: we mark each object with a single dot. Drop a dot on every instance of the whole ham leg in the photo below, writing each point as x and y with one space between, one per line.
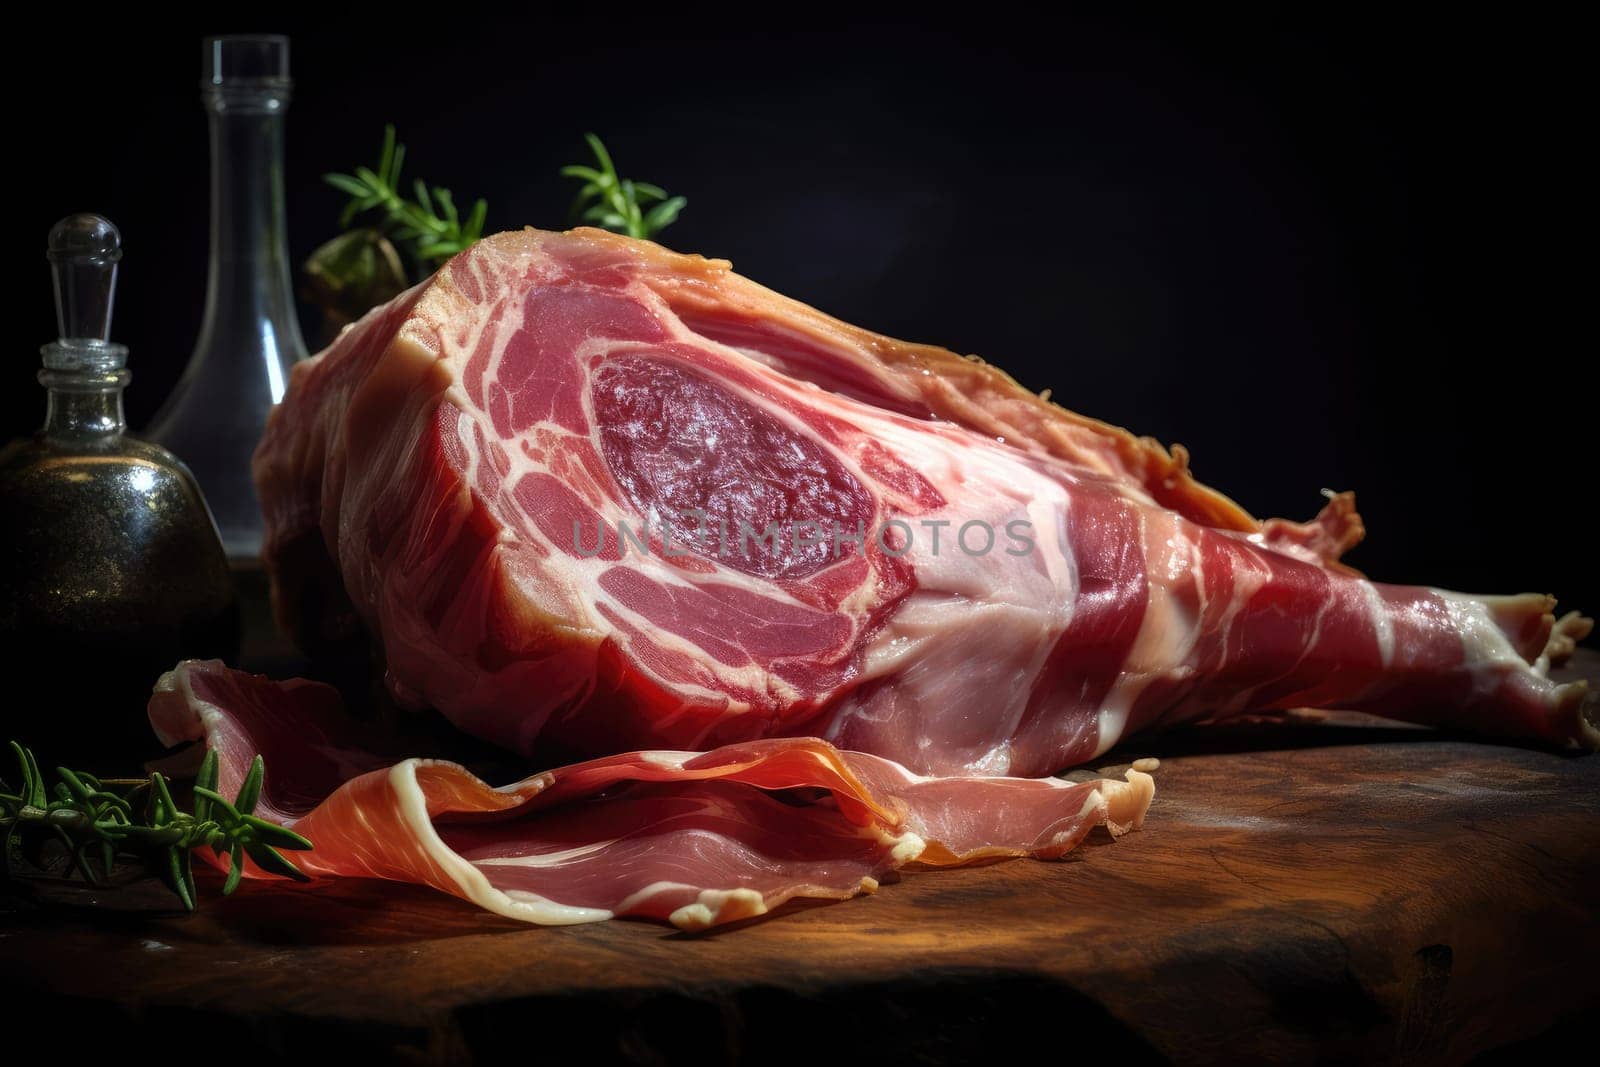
593 496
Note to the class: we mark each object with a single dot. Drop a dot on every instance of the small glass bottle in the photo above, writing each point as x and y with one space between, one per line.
249 336
110 566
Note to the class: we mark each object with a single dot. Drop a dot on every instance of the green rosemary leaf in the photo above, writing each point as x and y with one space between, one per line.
346 184
37 797
110 805
600 153
273 834
210 769
271 860
618 202
588 174
448 205
206 778
648 191
663 215
174 877
188 877
250 791
235 872
410 215
161 799
231 812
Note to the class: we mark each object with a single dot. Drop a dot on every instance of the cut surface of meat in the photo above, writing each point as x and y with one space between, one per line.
590 495
691 838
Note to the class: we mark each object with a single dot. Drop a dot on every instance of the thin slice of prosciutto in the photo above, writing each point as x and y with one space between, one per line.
691 838
531 478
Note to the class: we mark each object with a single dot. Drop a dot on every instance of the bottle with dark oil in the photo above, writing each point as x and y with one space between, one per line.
111 569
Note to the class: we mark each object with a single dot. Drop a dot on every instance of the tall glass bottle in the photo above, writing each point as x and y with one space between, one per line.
249 336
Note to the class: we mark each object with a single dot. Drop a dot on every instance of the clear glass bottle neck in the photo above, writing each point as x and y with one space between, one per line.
84 405
249 276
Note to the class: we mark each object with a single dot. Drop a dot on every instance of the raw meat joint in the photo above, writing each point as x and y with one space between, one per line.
842 601
478 459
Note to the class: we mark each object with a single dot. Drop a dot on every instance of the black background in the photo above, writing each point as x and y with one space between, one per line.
1318 254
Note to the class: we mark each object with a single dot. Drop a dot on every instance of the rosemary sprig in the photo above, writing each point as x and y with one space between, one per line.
427 226
97 821
617 204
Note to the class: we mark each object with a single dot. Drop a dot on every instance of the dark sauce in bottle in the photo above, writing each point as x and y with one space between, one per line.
111 569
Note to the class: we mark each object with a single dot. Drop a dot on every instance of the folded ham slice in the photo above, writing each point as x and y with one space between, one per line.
530 479
692 838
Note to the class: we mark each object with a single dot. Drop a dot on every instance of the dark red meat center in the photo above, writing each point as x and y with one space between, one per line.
677 441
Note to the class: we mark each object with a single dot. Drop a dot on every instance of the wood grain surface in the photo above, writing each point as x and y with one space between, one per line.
1330 891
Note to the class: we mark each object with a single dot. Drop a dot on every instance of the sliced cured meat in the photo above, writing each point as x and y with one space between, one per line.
591 495
693 838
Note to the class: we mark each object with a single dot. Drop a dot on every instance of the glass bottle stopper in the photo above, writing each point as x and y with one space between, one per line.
84 251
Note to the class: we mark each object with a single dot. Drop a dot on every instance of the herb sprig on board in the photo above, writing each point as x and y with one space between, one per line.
95 823
616 203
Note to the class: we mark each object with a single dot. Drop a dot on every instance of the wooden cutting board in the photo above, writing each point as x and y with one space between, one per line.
1339 890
